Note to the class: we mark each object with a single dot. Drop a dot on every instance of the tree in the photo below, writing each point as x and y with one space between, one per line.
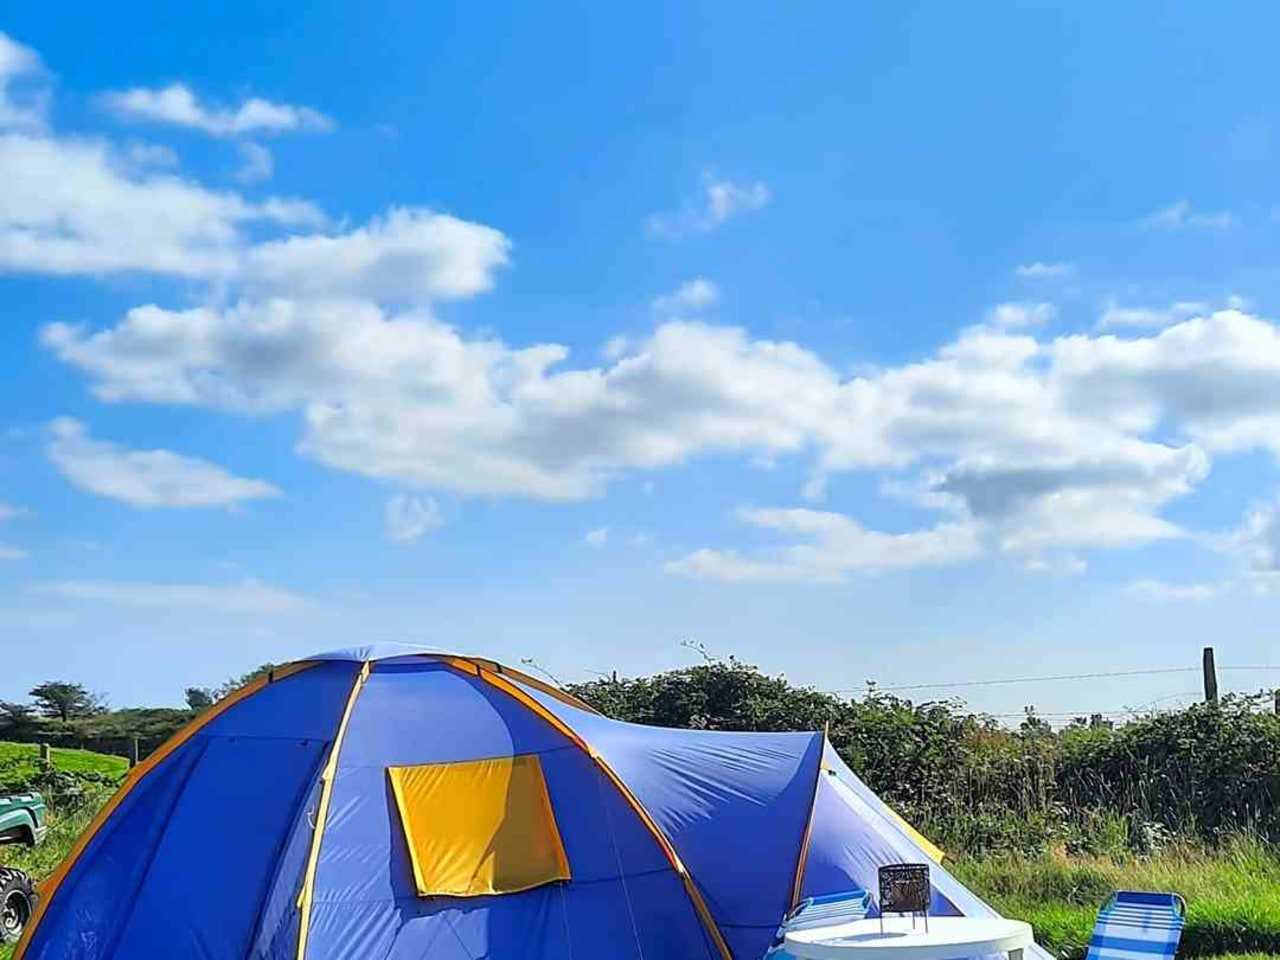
199 698
235 683
16 715
64 700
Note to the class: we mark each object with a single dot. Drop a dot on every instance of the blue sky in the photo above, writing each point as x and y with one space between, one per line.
860 342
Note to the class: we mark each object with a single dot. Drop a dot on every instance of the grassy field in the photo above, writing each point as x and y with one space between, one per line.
1233 894
19 761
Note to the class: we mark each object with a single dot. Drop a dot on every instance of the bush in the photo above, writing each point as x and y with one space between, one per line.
972 785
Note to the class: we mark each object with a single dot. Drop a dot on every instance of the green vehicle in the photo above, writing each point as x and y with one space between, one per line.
22 820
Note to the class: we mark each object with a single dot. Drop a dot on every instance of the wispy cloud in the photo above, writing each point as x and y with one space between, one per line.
720 201
1021 314
1159 590
1180 214
690 298
146 478
1045 271
1114 315
408 518
248 596
832 546
177 105
597 537
24 89
257 163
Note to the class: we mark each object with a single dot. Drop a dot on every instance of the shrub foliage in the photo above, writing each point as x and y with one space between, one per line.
1201 773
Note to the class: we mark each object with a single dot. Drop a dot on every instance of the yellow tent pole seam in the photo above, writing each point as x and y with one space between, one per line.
803 859
322 811
50 886
664 843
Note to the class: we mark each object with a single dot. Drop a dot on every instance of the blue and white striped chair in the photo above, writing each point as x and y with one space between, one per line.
1138 926
824 911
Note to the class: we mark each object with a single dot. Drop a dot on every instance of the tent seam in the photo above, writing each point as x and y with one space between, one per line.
135 776
327 774
802 858
664 842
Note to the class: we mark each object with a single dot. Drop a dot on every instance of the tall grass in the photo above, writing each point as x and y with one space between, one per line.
1232 893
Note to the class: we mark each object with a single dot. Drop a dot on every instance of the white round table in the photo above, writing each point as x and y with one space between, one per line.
947 937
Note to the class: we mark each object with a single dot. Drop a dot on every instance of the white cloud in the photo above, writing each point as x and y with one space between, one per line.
257 163
721 200
24 91
409 255
8 511
1217 378
248 596
177 105
403 396
408 518
597 537
1021 314
690 298
1256 542
1044 271
1161 591
1180 214
1114 315
79 207
1026 439
832 546
76 206
9 552
146 478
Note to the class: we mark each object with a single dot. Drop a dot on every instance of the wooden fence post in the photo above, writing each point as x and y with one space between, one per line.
1210 677
133 752
45 753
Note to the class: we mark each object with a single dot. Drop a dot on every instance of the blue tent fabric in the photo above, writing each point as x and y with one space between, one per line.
854 833
365 903
214 811
708 790
206 855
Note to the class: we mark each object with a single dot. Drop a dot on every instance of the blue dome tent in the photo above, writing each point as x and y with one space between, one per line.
386 802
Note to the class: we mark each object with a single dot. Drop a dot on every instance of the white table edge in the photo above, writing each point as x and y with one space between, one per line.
1013 942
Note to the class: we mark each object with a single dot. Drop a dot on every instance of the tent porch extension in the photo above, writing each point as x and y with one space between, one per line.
384 803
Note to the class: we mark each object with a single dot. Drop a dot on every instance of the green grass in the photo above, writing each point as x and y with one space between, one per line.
24 758
1231 894
19 762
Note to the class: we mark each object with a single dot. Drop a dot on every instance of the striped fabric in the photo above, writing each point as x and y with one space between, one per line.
1138 926
824 911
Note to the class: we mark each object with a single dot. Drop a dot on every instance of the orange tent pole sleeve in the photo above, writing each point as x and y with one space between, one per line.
50 886
322 811
695 895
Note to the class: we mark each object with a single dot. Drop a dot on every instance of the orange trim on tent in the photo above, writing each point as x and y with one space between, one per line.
473 666
803 859
695 895
551 691
322 812
50 886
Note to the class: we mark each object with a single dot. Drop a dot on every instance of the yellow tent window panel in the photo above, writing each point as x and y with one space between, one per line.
479 827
